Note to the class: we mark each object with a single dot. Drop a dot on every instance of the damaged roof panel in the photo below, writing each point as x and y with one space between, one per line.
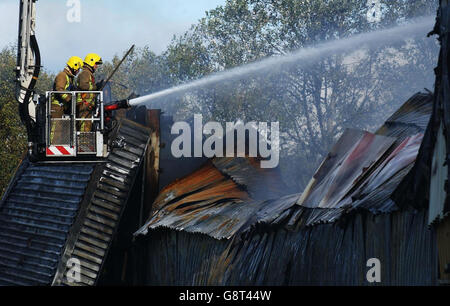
374 192
203 184
260 183
214 199
403 155
349 160
231 196
411 118
35 219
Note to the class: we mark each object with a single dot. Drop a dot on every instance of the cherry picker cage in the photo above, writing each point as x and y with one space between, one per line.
65 136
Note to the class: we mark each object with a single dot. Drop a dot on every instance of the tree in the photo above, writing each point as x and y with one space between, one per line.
12 133
314 101
13 136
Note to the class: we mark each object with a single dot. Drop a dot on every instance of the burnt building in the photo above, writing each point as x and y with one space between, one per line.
141 217
225 225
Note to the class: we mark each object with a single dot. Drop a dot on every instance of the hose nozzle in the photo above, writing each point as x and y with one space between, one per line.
118 105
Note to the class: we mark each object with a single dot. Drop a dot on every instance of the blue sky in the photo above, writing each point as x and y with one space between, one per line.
107 27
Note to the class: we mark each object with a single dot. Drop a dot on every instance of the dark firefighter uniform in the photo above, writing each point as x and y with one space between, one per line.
64 81
86 82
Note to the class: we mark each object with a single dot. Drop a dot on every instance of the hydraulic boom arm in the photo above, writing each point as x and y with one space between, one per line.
28 64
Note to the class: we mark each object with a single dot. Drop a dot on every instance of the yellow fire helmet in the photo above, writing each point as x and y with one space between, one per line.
92 59
75 63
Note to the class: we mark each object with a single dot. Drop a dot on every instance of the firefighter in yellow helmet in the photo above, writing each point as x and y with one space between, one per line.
64 81
86 82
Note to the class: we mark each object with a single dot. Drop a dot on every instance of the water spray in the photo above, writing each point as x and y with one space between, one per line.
418 26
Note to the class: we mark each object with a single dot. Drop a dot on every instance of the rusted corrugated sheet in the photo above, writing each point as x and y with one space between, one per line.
370 191
218 199
361 172
410 119
213 200
354 156
374 193
374 190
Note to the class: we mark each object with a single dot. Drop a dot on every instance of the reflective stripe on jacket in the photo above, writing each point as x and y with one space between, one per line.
64 81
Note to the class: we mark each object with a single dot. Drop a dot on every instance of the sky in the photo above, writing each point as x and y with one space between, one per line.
106 27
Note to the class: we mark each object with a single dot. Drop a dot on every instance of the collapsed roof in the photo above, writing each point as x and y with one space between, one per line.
229 196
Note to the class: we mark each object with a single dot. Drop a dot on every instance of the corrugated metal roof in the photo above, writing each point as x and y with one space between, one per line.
35 219
103 205
361 172
351 159
374 193
54 212
411 118
260 183
216 199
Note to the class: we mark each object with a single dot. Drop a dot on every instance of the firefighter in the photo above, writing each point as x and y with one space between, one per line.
86 82
60 103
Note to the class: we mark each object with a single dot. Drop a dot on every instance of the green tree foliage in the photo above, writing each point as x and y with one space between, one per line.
12 133
13 137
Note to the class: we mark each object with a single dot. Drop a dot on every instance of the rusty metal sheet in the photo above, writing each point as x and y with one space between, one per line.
261 184
414 186
351 158
206 201
404 155
361 171
411 118
217 199
374 193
